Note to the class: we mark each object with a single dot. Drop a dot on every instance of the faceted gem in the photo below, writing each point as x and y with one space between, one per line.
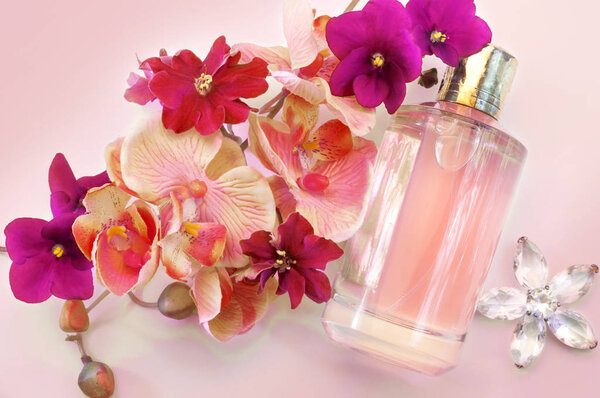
572 283
530 265
572 329
175 301
96 380
74 317
528 341
505 303
541 303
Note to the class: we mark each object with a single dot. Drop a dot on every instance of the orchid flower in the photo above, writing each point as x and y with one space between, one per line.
322 173
305 66
207 175
120 238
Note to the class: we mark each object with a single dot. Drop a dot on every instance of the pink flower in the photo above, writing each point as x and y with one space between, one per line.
226 307
196 180
305 67
323 174
138 91
120 238
296 260
201 94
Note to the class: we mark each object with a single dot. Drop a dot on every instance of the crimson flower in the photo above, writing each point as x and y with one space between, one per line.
448 28
296 260
377 53
67 193
201 94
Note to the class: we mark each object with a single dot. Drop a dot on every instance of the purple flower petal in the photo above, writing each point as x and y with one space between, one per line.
370 89
419 12
259 247
87 183
318 252
138 91
357 63
446 53
62 179
292 233
70 284
449 15
471 38
397 88
318 287
292 282
346 33
264 277
31 281
386 20
24 239
422 39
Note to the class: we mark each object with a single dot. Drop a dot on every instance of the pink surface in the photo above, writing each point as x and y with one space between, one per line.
63 74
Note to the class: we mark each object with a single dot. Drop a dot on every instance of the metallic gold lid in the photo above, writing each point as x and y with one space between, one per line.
480 81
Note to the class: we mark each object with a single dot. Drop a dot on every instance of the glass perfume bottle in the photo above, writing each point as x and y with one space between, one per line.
444 178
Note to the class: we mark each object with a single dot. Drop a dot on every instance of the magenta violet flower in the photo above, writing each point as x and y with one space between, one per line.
46 260
377 53
448 28
203 94
67 192
296 260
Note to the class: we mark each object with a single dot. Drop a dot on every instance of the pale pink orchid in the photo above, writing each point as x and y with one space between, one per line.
204 189
322 173
227 307
305 66
120 236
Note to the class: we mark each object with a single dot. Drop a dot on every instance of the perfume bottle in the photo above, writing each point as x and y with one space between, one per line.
444 178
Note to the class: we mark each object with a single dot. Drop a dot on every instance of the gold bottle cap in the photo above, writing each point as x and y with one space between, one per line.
480 81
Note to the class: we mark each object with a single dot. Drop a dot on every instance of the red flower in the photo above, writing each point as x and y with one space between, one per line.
204 94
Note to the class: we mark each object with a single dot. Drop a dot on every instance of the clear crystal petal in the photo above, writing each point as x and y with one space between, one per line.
572 329
572 283
528 341
530 265
506 303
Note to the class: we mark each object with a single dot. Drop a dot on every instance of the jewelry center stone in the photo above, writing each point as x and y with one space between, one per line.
541 303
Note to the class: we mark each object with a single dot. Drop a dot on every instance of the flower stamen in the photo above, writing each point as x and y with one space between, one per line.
437 37
191 228
377 60
58 250
203 83
117 230
284 262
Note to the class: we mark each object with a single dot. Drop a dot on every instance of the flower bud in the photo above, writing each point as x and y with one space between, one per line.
96 380
176 302
74 317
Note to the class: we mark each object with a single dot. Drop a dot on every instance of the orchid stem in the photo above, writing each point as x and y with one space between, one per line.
244 145
141 302
97 301
3 249
276 108
79 340
266 107
351 6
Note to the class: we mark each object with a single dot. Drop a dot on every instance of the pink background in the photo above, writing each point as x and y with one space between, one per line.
63 72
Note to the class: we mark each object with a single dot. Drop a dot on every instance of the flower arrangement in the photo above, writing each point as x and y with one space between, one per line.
179 197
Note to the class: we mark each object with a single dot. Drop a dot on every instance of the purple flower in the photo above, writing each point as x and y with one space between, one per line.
448 28
378 55
67 193
296 260
46 260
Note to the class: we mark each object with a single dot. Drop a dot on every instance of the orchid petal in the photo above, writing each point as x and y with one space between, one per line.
156 162
206 291
278 58
112 268
359 119
285 200
301 117
229 157
298 29
301 87
333 140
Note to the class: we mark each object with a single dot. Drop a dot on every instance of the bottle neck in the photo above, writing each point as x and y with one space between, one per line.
469 112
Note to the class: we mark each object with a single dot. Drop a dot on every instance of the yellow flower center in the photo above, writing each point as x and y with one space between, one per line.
203 83
191 228
377 60
117 230
310 145
283 262
58 251
437 37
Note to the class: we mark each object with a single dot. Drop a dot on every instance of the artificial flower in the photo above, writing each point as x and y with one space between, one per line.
448 28
120 237
323 173
67 192
377 53
204 94
226 307
296 260
46 260
207 174
138 91
304 67
541 305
